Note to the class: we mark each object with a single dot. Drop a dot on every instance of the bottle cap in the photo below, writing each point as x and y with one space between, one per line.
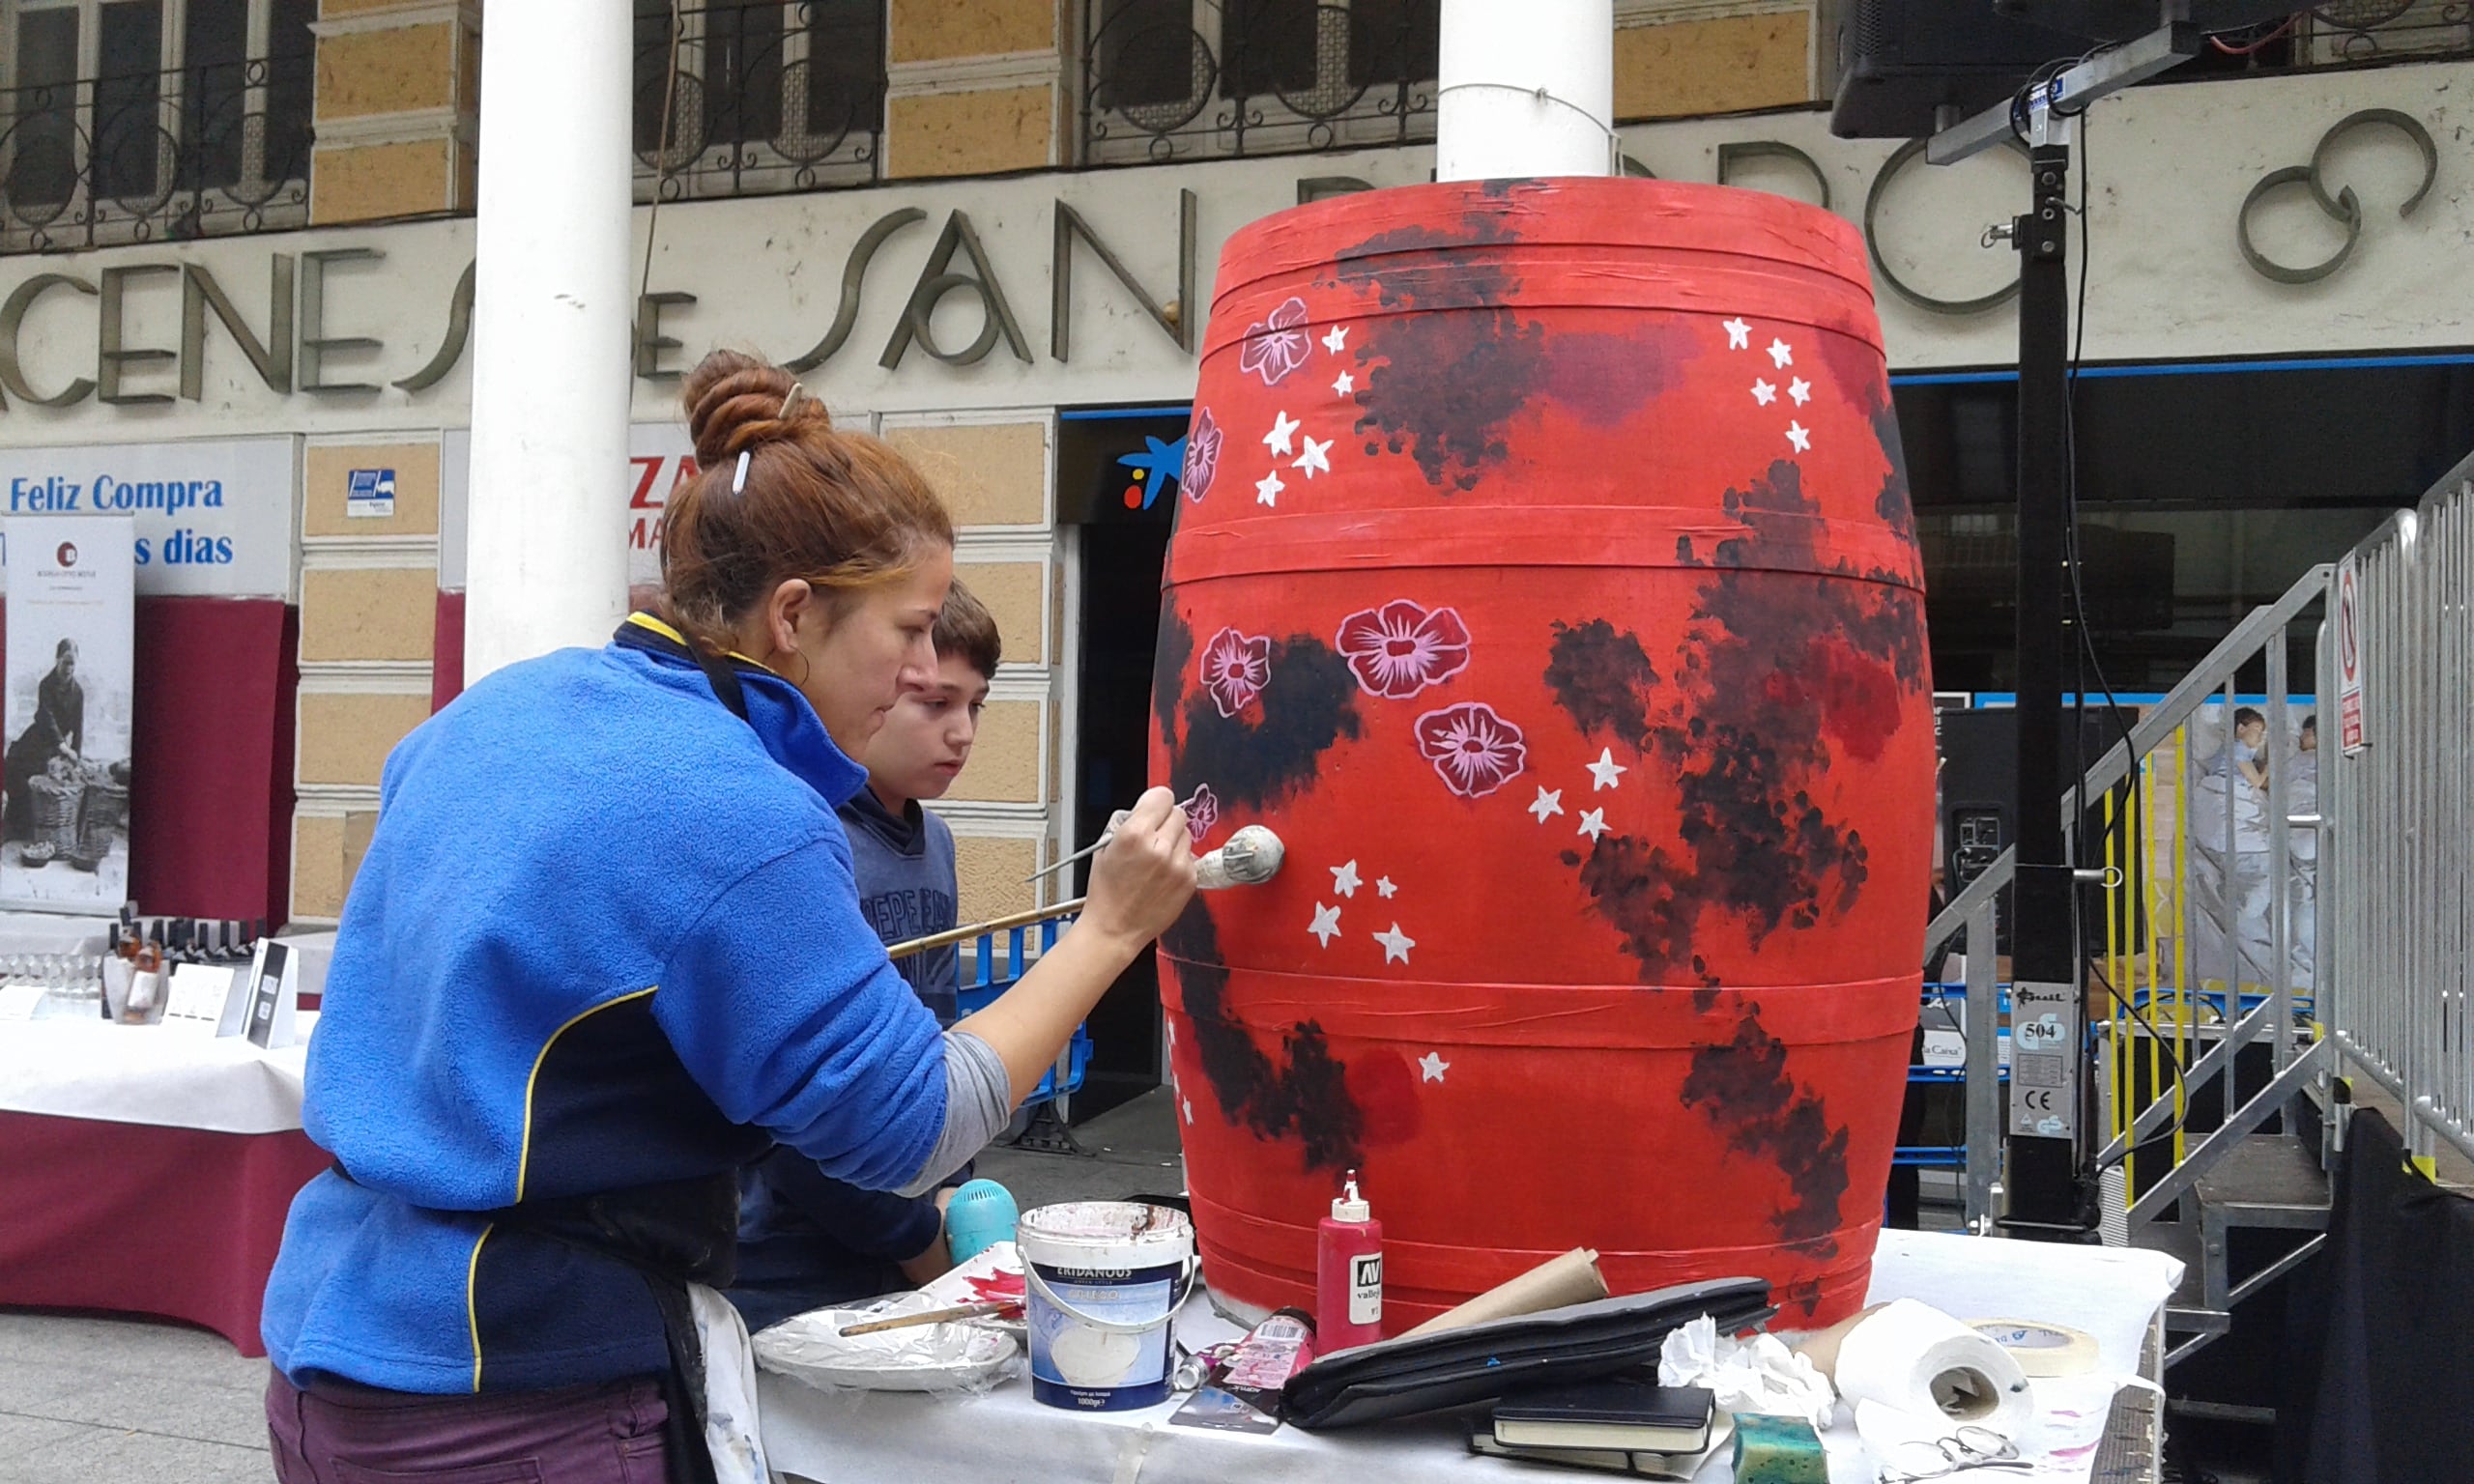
1351 1206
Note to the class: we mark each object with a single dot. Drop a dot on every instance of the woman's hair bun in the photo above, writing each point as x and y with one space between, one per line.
735 402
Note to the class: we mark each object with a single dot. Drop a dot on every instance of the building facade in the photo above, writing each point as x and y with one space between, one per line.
240 231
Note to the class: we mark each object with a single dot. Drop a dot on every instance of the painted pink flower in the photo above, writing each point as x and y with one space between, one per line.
1399 649
1202 812
1476 751
1235 669
1278 346
1202 456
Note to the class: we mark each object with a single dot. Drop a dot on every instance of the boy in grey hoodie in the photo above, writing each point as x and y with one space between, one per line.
807 1240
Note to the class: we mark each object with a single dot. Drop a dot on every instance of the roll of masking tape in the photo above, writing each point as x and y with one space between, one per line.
2041 1349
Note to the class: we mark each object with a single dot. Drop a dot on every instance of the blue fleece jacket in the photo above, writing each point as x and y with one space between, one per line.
605 935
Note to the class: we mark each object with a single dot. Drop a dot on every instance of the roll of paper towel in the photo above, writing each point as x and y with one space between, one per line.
1912 1358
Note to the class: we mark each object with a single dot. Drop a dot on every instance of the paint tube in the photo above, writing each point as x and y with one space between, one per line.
1270 1353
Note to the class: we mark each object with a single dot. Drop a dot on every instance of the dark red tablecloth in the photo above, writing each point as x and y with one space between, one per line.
179 1222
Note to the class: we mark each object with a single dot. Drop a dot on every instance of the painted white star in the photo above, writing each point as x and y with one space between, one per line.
1549 801
1801 390
1313 458
1168 1028
1592 822
1395 944
1340 336
1276 440
1327 923
1344 880
1344 383
1780 354
1800 437
1267 489
1384 888
1190 1109
1764 393
1605 771
1739 334
1434 1066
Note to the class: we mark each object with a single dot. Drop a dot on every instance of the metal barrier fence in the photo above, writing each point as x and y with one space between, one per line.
2398 835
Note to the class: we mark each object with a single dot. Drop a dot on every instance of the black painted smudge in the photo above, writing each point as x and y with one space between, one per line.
1856 367
1450 375
1892 505
1309 703
1742 1086
1602 678
1169 659
1769 664
1885 626
1305 1095
1443 379
1805 1295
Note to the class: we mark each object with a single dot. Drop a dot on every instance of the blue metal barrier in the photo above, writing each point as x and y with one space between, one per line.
986 985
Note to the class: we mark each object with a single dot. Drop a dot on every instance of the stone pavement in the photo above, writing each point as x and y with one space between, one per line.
87 1400
94 1400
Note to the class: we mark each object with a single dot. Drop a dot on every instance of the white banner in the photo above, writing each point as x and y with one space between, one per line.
213 517
70 625
659 455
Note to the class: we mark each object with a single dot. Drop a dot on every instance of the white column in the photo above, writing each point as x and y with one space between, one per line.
547 556
1525 88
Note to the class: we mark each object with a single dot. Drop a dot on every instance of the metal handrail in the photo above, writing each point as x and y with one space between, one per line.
2203 685
2263 630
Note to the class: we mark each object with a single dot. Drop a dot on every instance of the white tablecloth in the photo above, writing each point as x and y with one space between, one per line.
845 1437
50 932
170 1077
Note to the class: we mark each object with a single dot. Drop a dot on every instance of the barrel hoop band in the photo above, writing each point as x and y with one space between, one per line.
1622 1017
1463 534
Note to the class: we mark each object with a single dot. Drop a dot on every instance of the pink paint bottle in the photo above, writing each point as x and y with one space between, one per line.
1348 1274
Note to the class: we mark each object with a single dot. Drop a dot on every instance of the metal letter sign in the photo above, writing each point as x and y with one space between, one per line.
2350 739
2343 208
2044 1045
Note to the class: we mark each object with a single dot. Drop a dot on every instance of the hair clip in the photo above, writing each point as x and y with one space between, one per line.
790 400
739 481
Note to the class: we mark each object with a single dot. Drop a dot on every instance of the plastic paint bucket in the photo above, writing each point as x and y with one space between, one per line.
1105 1279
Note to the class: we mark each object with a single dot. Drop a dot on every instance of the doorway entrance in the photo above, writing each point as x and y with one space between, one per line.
1117 487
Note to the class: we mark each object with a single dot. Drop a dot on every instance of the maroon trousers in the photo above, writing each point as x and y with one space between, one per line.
582 1435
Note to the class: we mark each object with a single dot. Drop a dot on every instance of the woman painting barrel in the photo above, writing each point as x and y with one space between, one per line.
1545 579
605 948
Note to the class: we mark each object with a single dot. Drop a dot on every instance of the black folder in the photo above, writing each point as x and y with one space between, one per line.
1579 1342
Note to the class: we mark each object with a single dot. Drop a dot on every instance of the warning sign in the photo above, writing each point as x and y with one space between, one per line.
2349 733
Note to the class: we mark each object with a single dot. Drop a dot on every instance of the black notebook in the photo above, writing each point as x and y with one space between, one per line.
1625 1415
1565 1347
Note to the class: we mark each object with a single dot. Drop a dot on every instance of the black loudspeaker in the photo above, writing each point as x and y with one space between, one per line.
1899 61
1980 809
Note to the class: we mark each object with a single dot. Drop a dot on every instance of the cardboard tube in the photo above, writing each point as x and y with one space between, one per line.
1572 1278
1821 1347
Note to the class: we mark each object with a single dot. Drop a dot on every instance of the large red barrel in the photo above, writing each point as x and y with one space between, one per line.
1545 578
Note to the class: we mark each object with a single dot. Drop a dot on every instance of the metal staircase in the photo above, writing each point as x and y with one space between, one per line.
2261 1166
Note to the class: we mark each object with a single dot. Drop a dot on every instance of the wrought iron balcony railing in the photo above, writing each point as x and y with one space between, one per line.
194 152
2349 31
1183 79
769 97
